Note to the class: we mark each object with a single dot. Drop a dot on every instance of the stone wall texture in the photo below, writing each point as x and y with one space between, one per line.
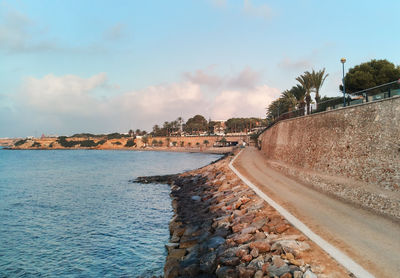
360 143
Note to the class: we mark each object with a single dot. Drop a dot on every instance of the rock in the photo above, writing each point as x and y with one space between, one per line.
242 252
230 252
171 245
238 227
177 253
229 261
289 256
296 262
309 274
259 274
257 263
191 270
286 275
259 236
226 272
277 261
208 262
171 272
247 258
254 252
297 274
249 230
187 244
215 241
196 198
273 270
243 238
222 232
294 268
281 228
261 245
259 223
246 272
288 245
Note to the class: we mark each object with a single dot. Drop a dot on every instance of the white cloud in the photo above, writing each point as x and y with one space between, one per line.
204 77
69 104
247 103
65 94
247 78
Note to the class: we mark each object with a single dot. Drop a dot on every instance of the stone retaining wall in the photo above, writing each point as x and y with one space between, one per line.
342 149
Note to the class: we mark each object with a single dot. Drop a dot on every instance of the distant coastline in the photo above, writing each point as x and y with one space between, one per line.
164 144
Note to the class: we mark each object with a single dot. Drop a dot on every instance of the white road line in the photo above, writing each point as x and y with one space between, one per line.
335 253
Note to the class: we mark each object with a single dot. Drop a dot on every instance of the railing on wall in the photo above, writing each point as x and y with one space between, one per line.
383 91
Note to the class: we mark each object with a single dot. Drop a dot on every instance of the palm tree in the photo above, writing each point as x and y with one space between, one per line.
318 79
289 99
299 93
306 81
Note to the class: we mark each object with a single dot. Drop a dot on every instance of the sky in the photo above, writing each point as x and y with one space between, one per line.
109 66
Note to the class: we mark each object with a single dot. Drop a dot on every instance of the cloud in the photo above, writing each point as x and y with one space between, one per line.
248 103
204 77
247 78
19 33
261 10
70 103
69 94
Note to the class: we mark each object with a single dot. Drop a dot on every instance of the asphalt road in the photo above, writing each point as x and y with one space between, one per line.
369 239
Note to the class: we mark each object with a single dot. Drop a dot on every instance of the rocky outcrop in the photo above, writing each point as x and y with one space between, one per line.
221 228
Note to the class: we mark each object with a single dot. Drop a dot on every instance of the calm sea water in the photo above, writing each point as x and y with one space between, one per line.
75 214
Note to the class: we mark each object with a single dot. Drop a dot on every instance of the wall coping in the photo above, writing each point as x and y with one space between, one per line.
338 109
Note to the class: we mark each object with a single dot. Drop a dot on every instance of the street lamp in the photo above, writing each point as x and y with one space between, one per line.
343 60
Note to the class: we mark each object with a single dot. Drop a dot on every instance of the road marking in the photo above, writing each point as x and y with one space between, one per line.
335 253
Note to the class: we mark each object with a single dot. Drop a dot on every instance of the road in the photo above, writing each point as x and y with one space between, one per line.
370 240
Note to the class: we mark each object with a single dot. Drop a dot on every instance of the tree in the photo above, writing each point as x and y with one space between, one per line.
182 143
299 93
198 123
370 74
160 143
168 141
223 141
206 142
130 133
145 140
154 143
318 79
306 81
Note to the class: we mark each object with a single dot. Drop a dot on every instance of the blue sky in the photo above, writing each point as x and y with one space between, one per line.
104 66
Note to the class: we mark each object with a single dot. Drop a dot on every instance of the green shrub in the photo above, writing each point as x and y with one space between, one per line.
130 143
51 145
116 143
36 145
62 140
88 143
20 142
101 142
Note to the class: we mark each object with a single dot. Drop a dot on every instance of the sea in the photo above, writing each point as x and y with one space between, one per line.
75 213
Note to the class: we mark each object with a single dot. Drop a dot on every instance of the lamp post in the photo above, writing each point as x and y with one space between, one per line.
343 60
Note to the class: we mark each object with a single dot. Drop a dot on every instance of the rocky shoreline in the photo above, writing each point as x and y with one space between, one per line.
221 228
